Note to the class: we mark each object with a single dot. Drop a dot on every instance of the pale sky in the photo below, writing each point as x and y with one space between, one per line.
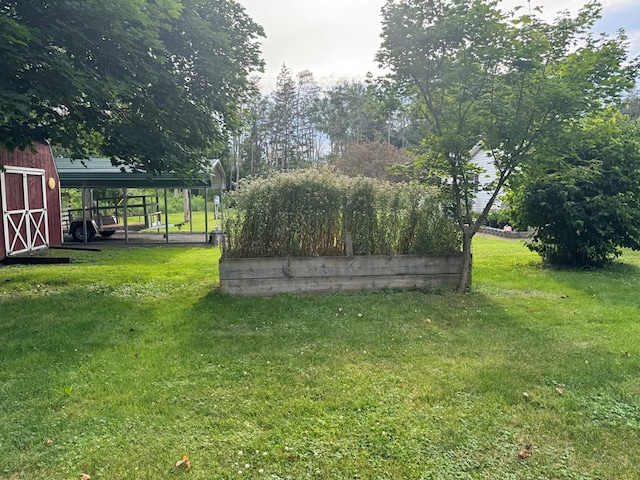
338 39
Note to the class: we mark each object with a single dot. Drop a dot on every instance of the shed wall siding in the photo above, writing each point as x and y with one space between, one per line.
40 159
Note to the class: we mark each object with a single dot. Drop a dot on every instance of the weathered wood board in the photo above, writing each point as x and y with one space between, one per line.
323 275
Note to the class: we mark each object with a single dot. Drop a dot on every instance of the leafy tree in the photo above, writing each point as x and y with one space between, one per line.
279 130
154 84
290 128
247 141
631 104
371 159
352 113
510 82
345 116
584 199
396 121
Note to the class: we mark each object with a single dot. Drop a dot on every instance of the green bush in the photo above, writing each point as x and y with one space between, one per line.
584 202
309 212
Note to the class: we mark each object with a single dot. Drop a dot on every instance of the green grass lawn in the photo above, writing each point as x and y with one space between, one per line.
120 364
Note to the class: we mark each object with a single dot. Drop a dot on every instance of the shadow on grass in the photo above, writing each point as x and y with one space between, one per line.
445 374
50 359
488 346
349 384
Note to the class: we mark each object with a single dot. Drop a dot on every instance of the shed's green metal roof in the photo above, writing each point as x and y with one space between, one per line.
100 173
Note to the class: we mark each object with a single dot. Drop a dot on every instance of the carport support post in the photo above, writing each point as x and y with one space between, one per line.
190 210
223 239
206 216
220 207
84 215
126 214
166 216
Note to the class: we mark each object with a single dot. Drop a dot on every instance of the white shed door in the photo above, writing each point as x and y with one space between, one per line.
24 209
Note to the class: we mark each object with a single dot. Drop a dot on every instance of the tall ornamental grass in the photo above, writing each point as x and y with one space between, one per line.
309 213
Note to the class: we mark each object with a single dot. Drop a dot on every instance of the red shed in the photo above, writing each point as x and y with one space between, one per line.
30 201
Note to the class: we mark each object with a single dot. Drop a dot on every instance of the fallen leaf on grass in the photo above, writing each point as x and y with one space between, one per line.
49 442
524 454
560 390
185 461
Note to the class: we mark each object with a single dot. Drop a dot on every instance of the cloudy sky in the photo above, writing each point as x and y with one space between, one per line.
338 39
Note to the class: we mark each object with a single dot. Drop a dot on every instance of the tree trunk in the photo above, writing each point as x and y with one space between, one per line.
185 205
465 275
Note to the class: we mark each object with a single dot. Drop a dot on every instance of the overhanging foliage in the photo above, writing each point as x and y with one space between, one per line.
153 84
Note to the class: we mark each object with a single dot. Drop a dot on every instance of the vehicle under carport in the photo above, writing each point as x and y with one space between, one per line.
96 173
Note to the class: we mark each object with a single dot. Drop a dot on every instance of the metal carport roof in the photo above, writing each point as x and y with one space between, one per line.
100 173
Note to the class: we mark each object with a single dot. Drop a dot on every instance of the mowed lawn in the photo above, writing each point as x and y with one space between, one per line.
128 361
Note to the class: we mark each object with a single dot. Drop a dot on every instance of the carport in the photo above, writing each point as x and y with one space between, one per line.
101 173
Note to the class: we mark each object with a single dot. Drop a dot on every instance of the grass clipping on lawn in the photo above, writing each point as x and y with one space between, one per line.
127 363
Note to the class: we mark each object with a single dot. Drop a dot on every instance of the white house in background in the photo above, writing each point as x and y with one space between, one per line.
488 174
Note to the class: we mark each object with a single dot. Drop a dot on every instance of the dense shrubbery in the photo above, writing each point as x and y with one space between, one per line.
309 212
584 201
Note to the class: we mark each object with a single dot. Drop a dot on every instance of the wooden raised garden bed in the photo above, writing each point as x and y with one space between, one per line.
322 275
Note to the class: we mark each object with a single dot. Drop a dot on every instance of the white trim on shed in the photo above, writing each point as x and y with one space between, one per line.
26 229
